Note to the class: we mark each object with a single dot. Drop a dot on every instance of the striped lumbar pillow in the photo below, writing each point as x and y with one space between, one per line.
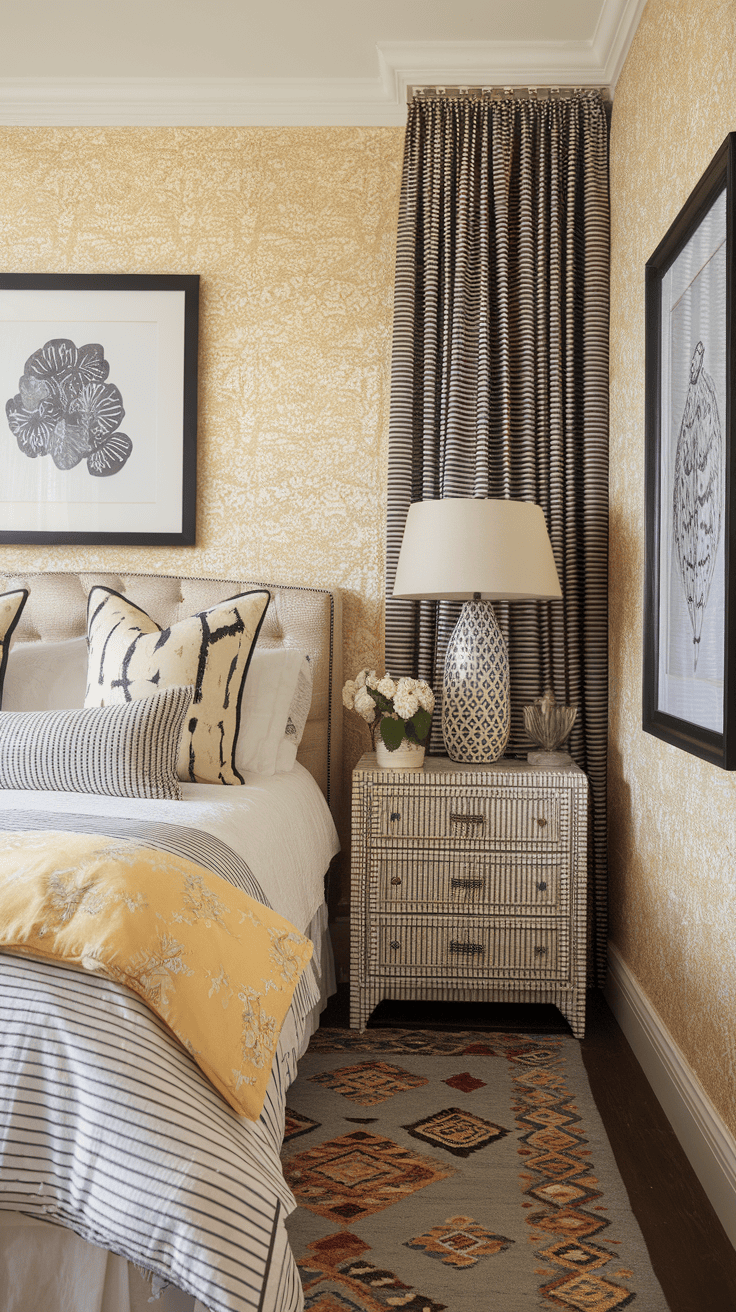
121 751
130 657
11 605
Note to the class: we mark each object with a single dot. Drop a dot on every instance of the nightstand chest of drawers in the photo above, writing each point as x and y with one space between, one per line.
468 884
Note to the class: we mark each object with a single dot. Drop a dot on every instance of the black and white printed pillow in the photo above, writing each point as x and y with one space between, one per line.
121 751
11 605
130 658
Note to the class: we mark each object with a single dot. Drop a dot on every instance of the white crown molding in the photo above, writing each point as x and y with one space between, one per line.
617 24
196 102
320 102
705 1138
488 63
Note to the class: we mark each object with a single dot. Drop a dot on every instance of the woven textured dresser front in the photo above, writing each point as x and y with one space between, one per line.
468 884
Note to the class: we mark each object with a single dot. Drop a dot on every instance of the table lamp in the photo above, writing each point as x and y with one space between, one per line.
477 551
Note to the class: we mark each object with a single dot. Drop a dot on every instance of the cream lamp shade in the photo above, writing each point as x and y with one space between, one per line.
476 550
456 548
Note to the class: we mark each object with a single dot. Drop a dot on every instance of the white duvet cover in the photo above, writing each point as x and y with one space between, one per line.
107 1127
279 824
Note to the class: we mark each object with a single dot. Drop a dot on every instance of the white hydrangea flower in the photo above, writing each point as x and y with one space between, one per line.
348 695
386 687
361 678
405 702
371 679
425 696
365 705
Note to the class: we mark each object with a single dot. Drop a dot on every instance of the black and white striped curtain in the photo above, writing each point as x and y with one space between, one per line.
500 389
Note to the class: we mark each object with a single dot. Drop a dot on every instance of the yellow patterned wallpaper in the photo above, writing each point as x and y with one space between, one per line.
293 233
673 817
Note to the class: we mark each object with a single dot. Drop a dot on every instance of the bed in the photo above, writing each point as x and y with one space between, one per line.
125 1175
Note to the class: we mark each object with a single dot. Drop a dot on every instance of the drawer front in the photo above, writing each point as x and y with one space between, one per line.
449 950
426 813
410 881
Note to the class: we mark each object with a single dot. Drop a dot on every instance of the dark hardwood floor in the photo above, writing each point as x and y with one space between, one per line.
689 1249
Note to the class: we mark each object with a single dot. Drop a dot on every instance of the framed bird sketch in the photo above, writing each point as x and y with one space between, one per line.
690 571
98 381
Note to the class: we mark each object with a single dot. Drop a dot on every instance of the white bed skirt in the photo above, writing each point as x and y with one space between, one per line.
44 1266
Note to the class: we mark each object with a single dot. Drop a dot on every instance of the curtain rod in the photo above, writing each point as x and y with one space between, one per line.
502 93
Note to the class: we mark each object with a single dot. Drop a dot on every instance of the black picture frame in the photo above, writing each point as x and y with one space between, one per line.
689 645
69 474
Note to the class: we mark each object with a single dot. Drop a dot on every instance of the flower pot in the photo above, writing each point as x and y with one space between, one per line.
408 756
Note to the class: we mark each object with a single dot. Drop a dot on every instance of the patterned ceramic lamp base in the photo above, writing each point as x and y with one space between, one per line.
476 712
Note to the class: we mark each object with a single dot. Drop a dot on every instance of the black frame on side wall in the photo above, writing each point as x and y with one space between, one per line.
663 460
185 532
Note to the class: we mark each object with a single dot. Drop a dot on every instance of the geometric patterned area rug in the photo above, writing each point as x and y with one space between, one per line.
464 1171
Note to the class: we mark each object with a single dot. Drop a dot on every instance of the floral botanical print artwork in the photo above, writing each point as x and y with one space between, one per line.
65 408
697 500
685 635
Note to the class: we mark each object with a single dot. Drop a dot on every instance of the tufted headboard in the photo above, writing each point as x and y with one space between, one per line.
307 619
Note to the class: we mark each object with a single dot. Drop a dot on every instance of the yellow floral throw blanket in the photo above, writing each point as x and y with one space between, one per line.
218 967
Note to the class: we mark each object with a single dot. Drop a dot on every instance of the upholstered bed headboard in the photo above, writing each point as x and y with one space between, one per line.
307 619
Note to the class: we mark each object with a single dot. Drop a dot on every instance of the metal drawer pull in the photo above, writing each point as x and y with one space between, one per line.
540 951
541 821
395 815
467 825
396 879
467 883
542 885
467 949
395 944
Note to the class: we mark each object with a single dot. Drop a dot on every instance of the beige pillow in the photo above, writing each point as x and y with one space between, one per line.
46 676
11 605
130 657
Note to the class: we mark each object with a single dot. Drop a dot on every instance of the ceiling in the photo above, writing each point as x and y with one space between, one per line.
291 61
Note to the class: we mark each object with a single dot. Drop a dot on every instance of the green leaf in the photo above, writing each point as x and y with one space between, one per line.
392 733
419 725
382 702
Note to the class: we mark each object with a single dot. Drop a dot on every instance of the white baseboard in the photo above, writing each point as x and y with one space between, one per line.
706 1140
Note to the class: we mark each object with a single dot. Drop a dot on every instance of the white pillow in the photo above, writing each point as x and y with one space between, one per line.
46 676
298 713
274 688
